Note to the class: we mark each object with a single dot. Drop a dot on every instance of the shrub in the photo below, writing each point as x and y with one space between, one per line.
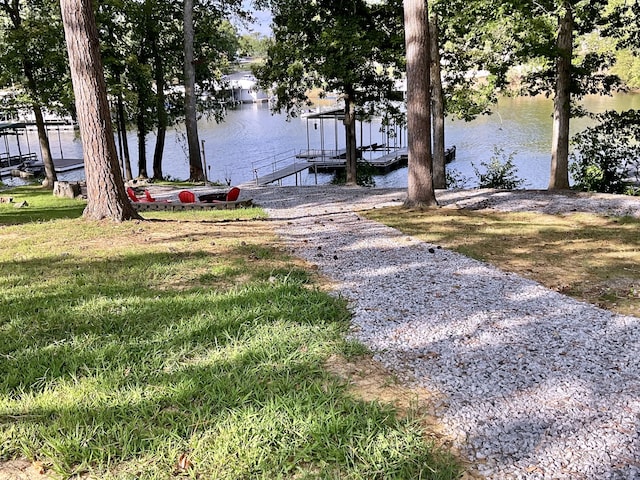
500 172
606 157
455 179
364 175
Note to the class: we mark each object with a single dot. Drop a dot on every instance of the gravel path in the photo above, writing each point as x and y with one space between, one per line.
535 385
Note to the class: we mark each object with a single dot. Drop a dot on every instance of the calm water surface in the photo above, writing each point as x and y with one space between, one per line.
251 135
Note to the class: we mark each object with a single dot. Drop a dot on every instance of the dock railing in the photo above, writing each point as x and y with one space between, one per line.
16 160
277 167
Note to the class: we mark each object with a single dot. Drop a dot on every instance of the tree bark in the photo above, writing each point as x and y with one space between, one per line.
163 118
196 172
420 190
142 141
350 136
45 148
559 179
106 195
43 137
437 102
126 160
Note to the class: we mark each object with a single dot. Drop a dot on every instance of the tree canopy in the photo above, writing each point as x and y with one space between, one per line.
352 48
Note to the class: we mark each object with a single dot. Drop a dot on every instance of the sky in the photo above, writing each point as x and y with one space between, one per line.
263 20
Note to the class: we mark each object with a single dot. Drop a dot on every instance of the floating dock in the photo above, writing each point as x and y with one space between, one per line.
318 161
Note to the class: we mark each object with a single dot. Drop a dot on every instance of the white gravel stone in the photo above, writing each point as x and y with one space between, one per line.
537 385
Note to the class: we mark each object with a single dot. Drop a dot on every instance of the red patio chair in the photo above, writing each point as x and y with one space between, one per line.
186 196
148 196
233 194
132 195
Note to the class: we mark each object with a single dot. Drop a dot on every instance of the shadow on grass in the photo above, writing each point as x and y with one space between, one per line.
103 370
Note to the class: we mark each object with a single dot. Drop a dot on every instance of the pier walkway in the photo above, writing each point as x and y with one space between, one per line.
283 172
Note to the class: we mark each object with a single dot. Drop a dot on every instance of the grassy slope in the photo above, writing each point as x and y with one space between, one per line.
190 345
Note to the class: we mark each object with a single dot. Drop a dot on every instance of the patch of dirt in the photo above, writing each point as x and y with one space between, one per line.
23 470
370 381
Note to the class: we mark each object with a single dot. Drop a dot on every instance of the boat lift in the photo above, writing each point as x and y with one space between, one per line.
17 152
14 154
278 167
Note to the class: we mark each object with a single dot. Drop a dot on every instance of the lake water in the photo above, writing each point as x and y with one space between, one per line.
251 134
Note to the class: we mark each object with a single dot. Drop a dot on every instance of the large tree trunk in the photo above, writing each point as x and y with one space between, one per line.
350 136
106 195
420 190
559 179
196 172
437 102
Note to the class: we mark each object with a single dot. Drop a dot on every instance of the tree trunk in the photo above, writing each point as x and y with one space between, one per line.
45 148
106 195
126 160
159 152
196 172
43 137
420 190
437 102
559 179
142 147
350 136
163 119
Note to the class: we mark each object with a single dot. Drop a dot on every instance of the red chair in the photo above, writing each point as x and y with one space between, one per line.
150 199
233 194
148 196
132 195
186 196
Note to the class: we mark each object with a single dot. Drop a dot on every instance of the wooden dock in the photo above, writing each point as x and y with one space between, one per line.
67 164
284 172
332 161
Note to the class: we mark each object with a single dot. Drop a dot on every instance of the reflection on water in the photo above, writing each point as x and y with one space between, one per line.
252 134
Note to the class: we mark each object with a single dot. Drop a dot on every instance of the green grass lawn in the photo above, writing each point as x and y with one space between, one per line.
189 346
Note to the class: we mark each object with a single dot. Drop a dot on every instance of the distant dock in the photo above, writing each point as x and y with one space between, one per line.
330 161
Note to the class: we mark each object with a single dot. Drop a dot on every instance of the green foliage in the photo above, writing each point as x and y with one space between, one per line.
500 172
474 37
455 179
253 45
627 67
33 56
606 157
364 175
350 47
